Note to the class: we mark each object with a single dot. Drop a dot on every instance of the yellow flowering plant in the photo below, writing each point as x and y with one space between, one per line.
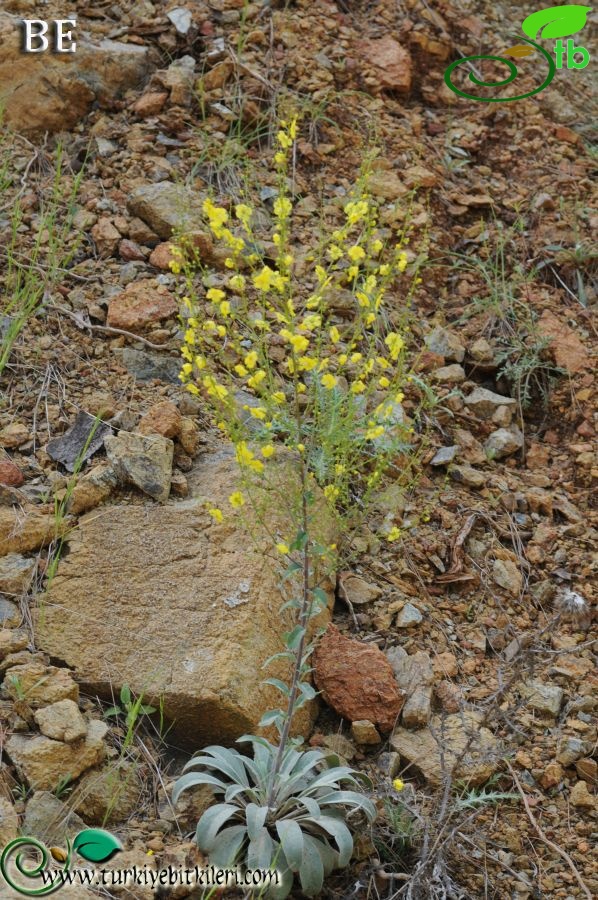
302 359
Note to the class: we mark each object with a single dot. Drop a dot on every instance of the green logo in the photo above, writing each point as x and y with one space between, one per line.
553 22
94 845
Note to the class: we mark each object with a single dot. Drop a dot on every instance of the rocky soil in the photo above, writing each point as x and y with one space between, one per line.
461 658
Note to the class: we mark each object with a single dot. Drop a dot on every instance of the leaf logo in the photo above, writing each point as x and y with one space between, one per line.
96 845
556 21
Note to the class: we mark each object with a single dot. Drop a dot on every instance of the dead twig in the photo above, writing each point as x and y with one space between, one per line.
81 323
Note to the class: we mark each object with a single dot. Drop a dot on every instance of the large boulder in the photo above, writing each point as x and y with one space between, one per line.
53 91
178 606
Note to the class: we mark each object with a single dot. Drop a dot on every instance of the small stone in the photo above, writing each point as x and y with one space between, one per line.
356 680
408 616
40 685
189 436
150 366
25 529
12 640
179 486
414 676
453 733
141 304
108 794
445 665
106 238
16 573
445 344
545 698
9 822
130 251
552 775
166 207
483 403
508 576
44 763
14 435
444 456
10 474
502 416
161 256
91 490
581 797
503 442
150 104
84 438
571 750
390 61
144 461
50 820
163 418
481 351
358 590
61 721
340 745
10 614
449 696
467 475
566 347
454 374
587 769
365 733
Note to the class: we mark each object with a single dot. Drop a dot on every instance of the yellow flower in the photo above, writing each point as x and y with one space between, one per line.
395 344
216 514
192 388
257 466
257 412
236 499
256 379
282 207
307 363
398 785
251 359
278 397
263 281
215 295
377 246
384 382
301 448
243 213
335 334
186 369
402 262
267 451
329 381
225 308
356 253
384 269
241 370
293 127
298 342
282 548
284 140
355 357
340 468
356 210
280 158
374 432
320 274
358 387
216 214
352 272
237 282
331 492
334 252
200 362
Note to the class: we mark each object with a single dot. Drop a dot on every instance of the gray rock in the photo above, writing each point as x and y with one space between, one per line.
508 576
142 460
454 374
414 676
444 456
467 475
359 590
16 572
503 442
150 366
50 820
570 751
166 207
483 403
180 18
84 438
481 351
10 614
543 697
445 344
408 616
453 734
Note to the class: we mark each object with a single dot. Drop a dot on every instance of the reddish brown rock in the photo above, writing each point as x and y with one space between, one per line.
150 104
130 250
357 680
161 256
10 474
106 238
566 347
141 304
163 418
391 63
